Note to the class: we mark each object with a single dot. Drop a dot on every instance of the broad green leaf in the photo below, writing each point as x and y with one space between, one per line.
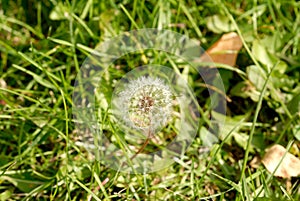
272 43
219 24
257 76
240 89
82 172
245 90
261 54
280 68
242 140
296 132
207 137
59 12
258 141
5 195
294 104
24 185
230 124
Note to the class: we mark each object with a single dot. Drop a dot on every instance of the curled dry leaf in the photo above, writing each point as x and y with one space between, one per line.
288 167
225 50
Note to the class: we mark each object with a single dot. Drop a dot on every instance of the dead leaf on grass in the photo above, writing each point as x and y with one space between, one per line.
289 166
225 50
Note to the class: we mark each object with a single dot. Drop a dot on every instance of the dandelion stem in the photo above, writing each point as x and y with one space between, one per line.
143 146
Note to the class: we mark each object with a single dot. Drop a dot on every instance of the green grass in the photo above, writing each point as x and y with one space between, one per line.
43 45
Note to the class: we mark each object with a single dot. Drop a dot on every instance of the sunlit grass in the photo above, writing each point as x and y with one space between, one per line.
43 45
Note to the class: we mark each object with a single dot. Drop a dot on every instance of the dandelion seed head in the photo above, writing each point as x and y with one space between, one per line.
146 102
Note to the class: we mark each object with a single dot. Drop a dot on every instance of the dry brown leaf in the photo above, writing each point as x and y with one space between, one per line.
225 50
289 166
